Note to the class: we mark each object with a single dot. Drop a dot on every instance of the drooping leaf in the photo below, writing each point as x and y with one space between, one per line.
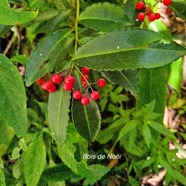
13 97
9 16
128 79
179 9
122 50
58 113
66 153
152 86
104 17
42 59
34 161
6 135
57 173
87 119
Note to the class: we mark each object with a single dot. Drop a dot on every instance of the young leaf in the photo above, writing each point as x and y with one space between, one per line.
146 134
2 176
128 79
58 113
152 87
9 16
86 123
122 50
104 17
13 97
34 161
43 57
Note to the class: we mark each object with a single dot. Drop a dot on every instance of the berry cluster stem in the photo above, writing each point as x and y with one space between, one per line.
76 7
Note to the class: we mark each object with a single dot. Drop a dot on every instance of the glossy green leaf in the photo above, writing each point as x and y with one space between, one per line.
128 79
104 17
152 86
34 161
179 9
58 113
42 59
66 153
6 135
9 16
122 50
13 97
57 173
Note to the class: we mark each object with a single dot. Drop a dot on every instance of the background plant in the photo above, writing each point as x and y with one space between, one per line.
44 136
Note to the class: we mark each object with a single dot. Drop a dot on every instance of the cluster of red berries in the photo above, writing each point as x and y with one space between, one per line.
147 11
67 83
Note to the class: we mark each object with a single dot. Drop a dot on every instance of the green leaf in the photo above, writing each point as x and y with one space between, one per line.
57 173
58 113
34 161
123 50
13 97
152 87
179 9
128 79
86 123
104 17
9 16
66 153
2 176
146 134
6 135
42 59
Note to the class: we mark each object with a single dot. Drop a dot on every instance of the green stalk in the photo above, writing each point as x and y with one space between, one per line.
77 5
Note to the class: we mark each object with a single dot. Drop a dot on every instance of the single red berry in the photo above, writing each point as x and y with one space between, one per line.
101 83
95 95
77 94
52 89
84 83
67 86
140 5
148 10
85 100
168 10
157 15
167 2
57 79
85 76
151 17
141 16
46 85
85 70
40 80
69 79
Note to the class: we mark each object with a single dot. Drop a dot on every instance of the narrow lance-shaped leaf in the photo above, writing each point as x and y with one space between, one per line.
128 79
12 97
9 16
34 161
58 113
104 17
123 50
42 58
87 119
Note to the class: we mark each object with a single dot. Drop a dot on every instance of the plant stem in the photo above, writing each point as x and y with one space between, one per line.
76 24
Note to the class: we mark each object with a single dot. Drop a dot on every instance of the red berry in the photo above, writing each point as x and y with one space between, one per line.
85 100
101 83
77 94
52 89
85 76
85 70
168 10
84 83
57 79
157 15
151 17
148 10
140 5
46 85
167 2
40 80
69 79
141 16
67 86
95 95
